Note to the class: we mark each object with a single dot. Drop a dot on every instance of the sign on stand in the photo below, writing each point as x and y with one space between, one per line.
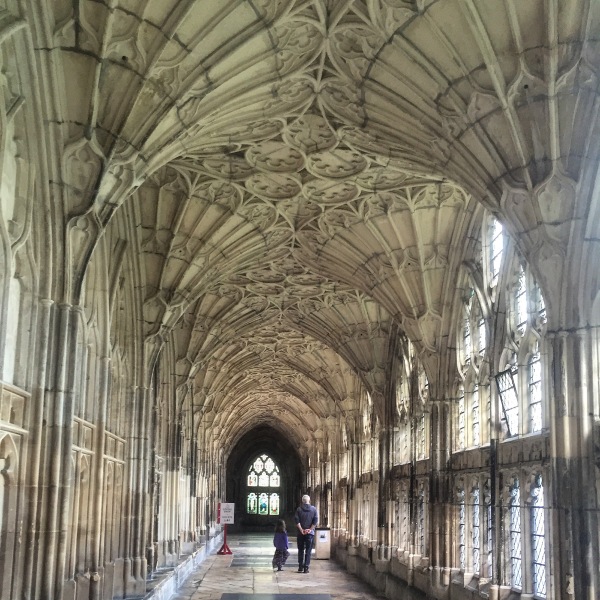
225 516
226 513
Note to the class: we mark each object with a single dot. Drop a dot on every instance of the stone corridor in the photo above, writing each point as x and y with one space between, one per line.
256 249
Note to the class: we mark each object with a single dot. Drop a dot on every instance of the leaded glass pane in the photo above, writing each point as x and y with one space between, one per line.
509 401
521 302
468 346
476 532
421 438
497 249
274 504
274 480
263 504
461 419
251 504
269 465
488 540
538 540
258 465
475 416
540 305
515 535
252 479
263 480
421 522
404 519
482 336
462 556
535 392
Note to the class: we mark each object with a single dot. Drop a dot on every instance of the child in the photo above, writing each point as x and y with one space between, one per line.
280 541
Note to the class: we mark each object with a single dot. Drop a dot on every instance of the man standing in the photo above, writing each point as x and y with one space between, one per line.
306 520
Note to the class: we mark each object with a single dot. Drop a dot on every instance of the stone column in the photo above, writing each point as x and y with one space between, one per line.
56 470
97 561
440 500
385 500
574 502
135 562
35 476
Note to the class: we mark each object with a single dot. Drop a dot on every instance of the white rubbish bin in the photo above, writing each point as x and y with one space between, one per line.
322 543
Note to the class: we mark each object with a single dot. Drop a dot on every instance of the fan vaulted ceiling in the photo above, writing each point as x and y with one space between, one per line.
304 175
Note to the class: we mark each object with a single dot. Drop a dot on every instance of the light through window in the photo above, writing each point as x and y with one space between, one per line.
421 521
263 475
462 529
521 302
461 418
475 415
509 401
476 531
538 541
515 535
497 249
535 392
489 540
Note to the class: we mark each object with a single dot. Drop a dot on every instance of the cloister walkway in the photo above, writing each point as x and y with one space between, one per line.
247 573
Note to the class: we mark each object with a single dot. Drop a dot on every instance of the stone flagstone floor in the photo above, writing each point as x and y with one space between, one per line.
247 573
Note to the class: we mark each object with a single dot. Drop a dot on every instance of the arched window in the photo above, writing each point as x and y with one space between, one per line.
263 474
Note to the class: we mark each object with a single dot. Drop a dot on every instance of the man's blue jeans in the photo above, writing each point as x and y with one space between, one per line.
305 544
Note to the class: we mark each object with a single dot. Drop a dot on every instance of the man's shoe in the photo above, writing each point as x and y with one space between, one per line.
306 569
300 569
279 569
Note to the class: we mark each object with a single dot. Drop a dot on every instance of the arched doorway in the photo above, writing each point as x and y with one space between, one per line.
264 480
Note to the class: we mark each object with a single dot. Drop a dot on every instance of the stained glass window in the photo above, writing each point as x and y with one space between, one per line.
274 504
263 504
263 474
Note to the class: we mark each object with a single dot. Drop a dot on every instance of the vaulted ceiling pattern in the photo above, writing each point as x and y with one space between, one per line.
306 172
